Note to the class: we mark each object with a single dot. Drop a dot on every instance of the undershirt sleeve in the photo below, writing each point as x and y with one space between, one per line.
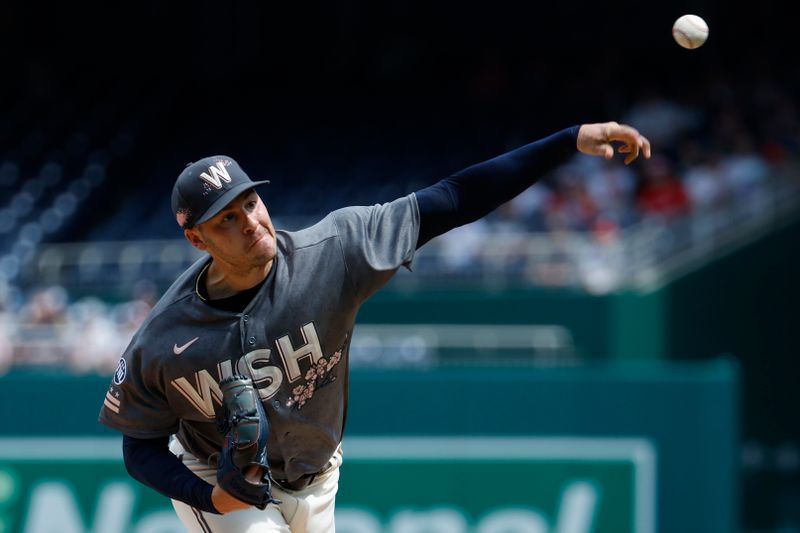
478 190
150 462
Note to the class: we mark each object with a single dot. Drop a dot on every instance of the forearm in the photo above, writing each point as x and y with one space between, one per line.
150 462
478 190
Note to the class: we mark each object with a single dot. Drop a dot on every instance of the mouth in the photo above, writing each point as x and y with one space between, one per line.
258 240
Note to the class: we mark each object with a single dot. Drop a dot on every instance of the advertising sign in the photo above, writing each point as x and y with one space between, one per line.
387 485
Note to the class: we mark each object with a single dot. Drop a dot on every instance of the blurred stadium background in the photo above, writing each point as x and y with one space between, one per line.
614 350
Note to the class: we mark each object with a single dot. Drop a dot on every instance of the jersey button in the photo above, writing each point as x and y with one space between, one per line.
245 318
252 340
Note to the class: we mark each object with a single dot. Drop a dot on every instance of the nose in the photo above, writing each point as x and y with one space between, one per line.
250 224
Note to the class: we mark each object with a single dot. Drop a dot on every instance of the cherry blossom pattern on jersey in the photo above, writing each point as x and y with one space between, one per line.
316 377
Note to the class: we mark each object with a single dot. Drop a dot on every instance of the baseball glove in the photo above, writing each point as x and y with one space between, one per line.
243 424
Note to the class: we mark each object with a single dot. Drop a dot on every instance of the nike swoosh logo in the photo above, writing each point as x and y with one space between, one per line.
180 349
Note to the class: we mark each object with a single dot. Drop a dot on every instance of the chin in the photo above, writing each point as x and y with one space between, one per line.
264 251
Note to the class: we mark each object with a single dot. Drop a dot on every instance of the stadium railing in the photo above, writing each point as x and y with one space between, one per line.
642 254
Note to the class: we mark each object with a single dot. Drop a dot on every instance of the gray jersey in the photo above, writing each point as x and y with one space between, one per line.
292 339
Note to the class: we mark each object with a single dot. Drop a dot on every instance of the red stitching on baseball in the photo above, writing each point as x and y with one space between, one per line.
689 40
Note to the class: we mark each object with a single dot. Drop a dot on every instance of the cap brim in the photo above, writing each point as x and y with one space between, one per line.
227 198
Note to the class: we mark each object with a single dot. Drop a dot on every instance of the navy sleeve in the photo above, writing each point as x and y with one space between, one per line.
478 190
150 462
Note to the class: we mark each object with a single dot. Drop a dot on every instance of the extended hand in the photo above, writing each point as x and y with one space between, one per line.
596 139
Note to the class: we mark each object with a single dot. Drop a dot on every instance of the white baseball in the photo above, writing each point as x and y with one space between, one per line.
690 31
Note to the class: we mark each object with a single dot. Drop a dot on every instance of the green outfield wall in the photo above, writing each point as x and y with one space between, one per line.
644 447
739 303
601 326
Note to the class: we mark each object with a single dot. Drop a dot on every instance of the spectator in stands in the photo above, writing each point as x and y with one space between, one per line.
601 260
95 337
554 267
132 314
661 193
612 187
529 207
704 177
46 306
571 207
461 247
746 172
43 318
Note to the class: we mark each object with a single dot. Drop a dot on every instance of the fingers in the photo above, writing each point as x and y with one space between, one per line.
645 146
633 150
597 139
633 141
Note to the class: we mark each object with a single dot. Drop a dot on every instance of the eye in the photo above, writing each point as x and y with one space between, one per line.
227 218
252 204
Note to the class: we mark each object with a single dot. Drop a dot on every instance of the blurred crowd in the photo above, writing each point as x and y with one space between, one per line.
716 162
47 328
732 153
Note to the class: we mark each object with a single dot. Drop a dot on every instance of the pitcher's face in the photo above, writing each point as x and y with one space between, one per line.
241 234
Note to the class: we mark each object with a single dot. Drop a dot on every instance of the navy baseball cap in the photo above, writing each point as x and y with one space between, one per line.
205 187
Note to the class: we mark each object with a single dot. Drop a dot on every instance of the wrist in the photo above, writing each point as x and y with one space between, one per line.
212 497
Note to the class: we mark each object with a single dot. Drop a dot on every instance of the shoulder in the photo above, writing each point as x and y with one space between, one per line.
324 230
320 232
342 223
376 217
398 208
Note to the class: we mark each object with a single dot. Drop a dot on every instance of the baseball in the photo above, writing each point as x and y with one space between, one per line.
690 31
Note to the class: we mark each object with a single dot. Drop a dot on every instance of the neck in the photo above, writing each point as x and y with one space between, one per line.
224 279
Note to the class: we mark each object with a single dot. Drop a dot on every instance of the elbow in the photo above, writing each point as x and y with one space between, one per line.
137 453
129 456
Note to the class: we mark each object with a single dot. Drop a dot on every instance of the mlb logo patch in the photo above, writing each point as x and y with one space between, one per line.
121 372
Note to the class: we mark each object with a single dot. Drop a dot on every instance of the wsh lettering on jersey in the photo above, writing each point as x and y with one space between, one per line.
202 390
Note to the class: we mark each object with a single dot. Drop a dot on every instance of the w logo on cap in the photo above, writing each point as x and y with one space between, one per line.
217 173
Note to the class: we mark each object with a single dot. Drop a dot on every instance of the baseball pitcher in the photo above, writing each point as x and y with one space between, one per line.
232 396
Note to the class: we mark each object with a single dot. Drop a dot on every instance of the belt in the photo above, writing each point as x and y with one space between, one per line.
300 483
305 480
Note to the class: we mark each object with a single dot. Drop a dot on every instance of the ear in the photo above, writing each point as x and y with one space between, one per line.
195 239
